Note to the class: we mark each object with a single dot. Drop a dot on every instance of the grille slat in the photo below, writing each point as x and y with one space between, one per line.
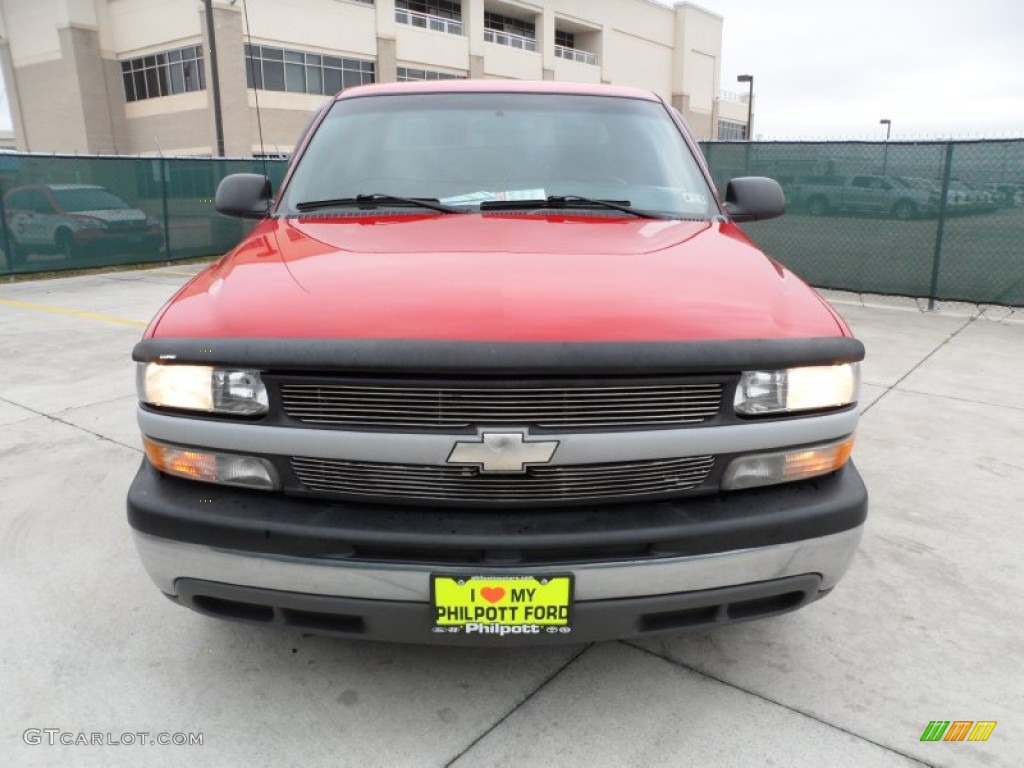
589 482
411 405
491 390
513 486
549 402
445 406
487 409
399 473
504 495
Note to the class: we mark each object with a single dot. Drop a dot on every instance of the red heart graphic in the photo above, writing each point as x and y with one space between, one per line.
492 594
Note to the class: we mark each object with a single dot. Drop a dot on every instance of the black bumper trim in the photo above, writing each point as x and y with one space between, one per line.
272 523
409 622
489 358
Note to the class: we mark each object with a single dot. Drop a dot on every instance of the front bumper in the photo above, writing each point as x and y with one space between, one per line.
364 570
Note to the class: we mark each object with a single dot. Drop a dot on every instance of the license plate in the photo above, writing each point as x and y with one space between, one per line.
501 605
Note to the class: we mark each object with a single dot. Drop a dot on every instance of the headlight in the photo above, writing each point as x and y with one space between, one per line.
202 388
797 389
211 466
786 466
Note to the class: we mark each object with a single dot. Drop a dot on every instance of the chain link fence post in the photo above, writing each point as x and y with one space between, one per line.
167 219
5 239
940 227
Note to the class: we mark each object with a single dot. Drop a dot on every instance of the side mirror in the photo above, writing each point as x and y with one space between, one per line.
753 198
246 195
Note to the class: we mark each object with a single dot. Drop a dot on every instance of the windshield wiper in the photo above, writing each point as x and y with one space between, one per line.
567 201
370 202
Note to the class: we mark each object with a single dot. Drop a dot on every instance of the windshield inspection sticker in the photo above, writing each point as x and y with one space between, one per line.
693 197
475 198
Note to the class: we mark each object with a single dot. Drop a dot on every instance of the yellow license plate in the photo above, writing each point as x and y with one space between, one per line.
484 603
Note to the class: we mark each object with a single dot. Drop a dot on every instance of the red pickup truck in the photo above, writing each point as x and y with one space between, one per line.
496 366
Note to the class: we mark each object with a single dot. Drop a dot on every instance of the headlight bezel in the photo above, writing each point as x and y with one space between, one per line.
202 389
795 391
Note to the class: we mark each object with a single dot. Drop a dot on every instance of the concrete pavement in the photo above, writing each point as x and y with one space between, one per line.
927 624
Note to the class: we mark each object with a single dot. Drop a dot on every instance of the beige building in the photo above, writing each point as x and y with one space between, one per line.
135 76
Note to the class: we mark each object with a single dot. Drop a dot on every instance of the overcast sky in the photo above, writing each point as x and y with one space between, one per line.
828 69
833 69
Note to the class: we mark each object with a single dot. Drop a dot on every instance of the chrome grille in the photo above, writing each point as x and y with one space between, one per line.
446 407
583 482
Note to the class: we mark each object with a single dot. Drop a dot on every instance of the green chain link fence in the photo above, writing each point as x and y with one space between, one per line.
943 220
72 212
937 219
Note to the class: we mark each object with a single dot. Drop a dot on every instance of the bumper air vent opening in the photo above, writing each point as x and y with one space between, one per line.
765 606
323 622
233 609
692 617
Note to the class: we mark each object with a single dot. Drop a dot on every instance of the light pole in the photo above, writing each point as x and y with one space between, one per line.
750 103
211 35
888 129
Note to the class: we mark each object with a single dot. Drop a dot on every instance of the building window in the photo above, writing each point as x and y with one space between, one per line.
275 69
565 48
505 30
565 39
164 74
508 24
406 74
443 9
730 131
437 15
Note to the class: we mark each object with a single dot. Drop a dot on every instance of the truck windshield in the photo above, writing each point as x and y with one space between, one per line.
464 149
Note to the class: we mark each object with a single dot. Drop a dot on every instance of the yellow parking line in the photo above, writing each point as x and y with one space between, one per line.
72 312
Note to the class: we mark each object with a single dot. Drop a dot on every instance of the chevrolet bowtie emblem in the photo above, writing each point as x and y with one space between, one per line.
503 452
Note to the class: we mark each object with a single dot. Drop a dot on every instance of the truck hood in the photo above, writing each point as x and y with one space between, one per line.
496 277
